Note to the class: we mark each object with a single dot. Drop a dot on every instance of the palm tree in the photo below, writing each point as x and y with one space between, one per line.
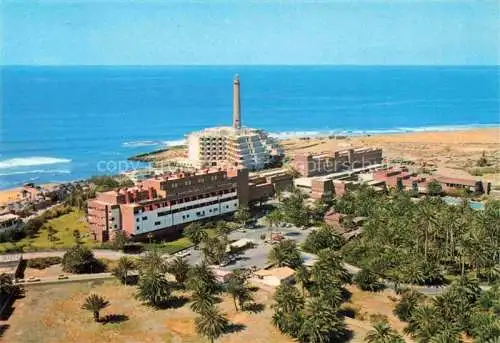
244 295
274 218
233 289
125 264
288 298
302 276
195 233
95 303
202 301
211 324
222 228
409 301
331 295
285 254
242 215
424 323
153 261
383 333
179 268
322 324
153 288
202 278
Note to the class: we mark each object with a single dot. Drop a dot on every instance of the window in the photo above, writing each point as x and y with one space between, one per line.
137 219
115 226
145 218
138 228
112 218
157 223
183 217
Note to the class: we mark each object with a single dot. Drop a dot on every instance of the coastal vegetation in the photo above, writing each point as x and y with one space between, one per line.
424 241
314 315
464 308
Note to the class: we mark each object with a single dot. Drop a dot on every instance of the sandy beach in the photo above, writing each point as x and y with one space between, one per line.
453 153
9 195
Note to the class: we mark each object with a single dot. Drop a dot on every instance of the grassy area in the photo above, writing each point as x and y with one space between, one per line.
177 245
64 227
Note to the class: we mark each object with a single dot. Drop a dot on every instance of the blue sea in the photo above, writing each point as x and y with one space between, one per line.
68 123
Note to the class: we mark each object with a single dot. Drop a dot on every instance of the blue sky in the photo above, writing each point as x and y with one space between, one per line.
239 32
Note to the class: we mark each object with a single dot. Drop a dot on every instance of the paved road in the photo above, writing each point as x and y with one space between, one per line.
71 278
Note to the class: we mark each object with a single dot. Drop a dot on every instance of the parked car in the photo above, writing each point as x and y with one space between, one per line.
182 254
224 263
62 277
33 279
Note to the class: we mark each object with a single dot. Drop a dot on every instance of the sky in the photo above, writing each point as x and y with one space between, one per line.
240 32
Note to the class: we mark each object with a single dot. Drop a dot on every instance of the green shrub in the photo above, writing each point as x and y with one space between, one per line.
368 281
43 262
80 259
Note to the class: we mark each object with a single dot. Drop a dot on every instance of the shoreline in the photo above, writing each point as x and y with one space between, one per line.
471 139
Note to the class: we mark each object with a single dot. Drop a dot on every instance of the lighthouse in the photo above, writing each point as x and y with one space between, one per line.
236 103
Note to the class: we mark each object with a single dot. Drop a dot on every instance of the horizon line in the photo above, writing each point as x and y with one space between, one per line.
247 65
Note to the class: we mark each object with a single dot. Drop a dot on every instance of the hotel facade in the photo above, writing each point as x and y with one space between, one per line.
165 204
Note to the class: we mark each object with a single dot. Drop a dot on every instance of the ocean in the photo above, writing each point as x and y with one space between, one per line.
68 123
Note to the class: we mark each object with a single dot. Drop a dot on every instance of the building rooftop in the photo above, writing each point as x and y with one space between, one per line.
225 131
280 272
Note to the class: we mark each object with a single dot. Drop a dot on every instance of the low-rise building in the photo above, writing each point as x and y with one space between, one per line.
10 222
402 178
327 163
274 276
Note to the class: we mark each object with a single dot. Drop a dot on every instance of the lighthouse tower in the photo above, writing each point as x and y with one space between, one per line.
236 103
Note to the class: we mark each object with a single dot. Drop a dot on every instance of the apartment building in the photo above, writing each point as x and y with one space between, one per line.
327 163
233 146
165 204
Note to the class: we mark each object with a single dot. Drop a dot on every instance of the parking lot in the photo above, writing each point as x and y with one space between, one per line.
255 256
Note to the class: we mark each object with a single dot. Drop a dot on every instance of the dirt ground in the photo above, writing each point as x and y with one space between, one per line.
369 307
52 314
9 195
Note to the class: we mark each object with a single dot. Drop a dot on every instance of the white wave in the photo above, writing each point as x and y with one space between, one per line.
353 132
31 161
38 171
138 144
174 142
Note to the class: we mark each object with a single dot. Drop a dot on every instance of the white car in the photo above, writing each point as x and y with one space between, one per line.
224 263
184 253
